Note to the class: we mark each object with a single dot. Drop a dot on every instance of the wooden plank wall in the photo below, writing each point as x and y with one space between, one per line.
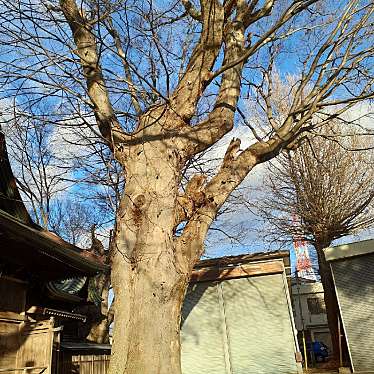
36 348
25 346
13 295
8 343
85 364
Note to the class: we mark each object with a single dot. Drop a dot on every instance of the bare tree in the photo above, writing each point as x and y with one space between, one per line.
72 219
102 180
41 175
328 186
160 83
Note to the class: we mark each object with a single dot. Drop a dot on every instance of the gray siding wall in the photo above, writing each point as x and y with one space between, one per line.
238 326
354 281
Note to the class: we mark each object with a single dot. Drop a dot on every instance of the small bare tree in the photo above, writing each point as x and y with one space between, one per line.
329 186
72 219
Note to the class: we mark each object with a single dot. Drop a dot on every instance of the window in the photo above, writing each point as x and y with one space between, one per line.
316 305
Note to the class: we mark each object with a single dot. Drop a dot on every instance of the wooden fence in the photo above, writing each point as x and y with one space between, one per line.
85 364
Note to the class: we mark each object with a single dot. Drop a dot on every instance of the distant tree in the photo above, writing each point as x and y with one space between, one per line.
329 187
72 219
64 193
40 173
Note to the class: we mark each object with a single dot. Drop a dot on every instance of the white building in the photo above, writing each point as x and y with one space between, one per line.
309 311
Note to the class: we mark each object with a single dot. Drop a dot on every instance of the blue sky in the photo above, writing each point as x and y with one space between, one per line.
287 61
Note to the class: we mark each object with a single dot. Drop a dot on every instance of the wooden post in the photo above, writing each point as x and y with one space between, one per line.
340 344
305 353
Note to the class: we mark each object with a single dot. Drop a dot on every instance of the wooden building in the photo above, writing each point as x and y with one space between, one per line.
237 317
43 285
352 267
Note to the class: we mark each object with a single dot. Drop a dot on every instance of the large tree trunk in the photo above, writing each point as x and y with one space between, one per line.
147 325
149 275
151 265
332 308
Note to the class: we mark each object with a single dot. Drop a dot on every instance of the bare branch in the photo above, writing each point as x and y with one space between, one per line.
191 10
86 50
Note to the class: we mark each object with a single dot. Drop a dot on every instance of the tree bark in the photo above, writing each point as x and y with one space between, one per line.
149 276
99 332
146 336
332 308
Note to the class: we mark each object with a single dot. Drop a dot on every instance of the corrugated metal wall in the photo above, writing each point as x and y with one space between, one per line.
202 331
238 326
354 280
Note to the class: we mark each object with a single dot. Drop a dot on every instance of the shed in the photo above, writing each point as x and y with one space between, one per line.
352 267
237 317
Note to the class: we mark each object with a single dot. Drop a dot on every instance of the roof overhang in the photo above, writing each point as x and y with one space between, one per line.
244 258
41 252
343 251
250 269
246 265
84 347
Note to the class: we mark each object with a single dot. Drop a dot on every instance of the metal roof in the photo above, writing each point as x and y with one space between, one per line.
349 250
66 289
